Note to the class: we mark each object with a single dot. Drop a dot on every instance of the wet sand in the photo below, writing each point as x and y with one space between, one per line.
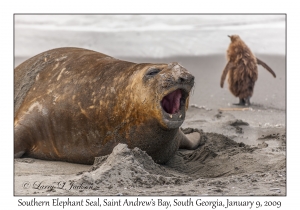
244 151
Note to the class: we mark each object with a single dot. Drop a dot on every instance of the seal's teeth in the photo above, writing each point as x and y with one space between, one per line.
180 116
170 115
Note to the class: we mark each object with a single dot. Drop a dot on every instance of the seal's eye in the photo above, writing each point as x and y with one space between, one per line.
153 72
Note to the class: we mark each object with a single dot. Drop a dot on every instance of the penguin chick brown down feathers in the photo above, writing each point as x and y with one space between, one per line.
242 70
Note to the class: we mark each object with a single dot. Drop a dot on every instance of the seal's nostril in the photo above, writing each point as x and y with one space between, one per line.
181 79
186 78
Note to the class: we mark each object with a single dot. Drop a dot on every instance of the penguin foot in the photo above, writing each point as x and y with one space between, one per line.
247 101
242 102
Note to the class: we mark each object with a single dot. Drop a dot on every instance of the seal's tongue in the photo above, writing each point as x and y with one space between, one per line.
171 102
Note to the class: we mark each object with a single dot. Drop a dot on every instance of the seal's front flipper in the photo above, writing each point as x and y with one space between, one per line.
191 138
260 62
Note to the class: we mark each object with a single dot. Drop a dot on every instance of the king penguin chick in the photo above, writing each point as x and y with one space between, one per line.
242 70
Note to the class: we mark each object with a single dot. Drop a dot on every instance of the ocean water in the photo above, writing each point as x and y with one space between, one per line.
155 36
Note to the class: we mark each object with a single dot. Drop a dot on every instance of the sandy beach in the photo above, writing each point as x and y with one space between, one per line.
243 152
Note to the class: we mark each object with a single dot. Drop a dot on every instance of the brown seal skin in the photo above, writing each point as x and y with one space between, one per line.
73 105
242 70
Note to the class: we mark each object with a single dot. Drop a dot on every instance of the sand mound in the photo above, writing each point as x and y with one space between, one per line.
130 168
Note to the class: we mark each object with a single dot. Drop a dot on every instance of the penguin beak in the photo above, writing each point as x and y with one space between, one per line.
229 36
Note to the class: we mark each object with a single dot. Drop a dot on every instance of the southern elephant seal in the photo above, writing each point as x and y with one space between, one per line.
73 105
